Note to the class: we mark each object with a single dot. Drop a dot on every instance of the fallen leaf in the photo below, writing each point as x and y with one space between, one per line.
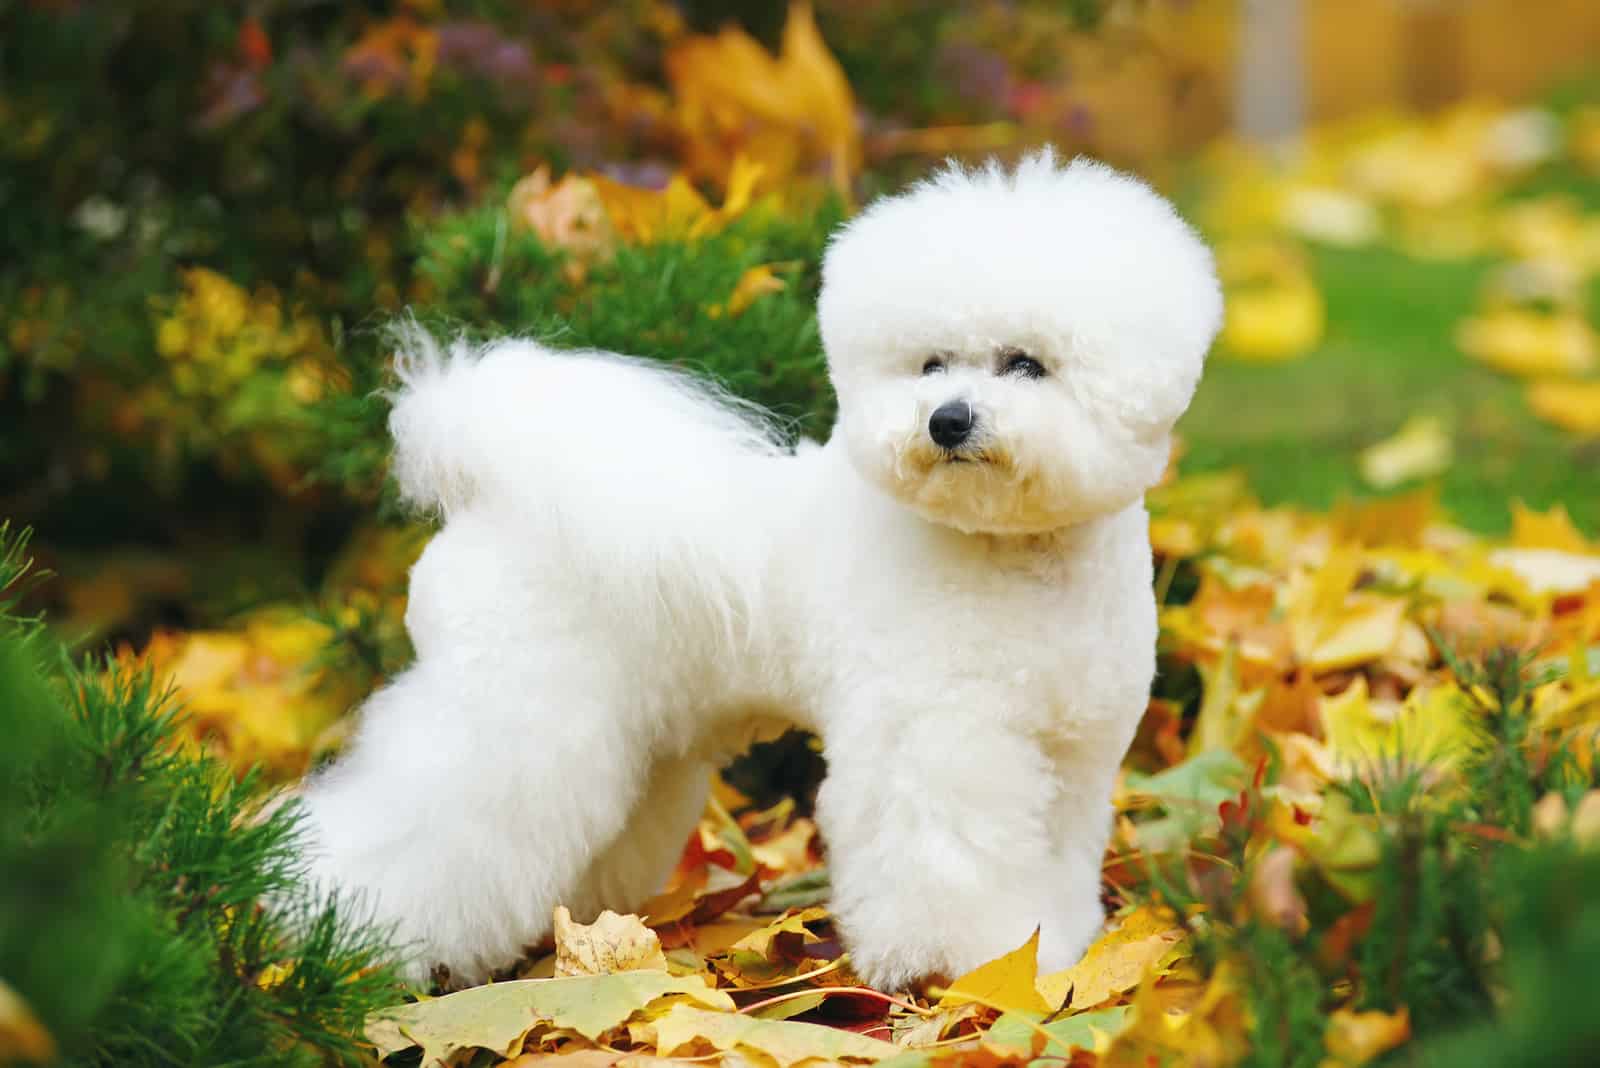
499 1016
1212 1032
1084 1030
1586 819
1273 309
1346 847
1199 784
785 1041
612 943
790 927
752 284
1354 1038
1531 343
678 212
1007 983
568 214
1421 448
1570 405
1550 571
1115 962
22 1036
1272 893
1552 529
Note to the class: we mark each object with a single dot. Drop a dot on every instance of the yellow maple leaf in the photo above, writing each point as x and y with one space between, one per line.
754 283
791 112
678 212
1369 628
1434 725
1570 405
612 943
1550 529
1008 983
1116 962
761 942
1211 1032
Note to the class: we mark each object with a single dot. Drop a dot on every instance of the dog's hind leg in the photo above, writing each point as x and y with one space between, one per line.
483 782
462 836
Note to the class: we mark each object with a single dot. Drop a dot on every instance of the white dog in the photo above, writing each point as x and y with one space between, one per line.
954 592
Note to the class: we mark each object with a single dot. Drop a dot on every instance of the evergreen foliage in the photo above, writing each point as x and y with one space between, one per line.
131 916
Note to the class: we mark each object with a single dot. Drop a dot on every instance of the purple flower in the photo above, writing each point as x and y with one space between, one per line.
477 48
979 75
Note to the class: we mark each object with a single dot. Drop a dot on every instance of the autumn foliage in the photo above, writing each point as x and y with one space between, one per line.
1361 818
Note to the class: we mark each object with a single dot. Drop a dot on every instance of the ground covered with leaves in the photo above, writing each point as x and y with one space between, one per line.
1360 821
1360 813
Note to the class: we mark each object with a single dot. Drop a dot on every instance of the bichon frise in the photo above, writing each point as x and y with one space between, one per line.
954 592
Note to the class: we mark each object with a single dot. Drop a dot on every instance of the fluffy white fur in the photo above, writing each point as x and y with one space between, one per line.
634 576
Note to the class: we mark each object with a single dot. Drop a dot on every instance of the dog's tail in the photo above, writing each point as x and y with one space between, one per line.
636 465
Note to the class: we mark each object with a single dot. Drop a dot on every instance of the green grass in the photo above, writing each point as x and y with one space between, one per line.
1389 353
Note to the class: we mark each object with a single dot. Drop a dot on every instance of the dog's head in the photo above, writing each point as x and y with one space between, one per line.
1011 349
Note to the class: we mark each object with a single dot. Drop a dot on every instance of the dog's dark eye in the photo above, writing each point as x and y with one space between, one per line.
933 365
1013 362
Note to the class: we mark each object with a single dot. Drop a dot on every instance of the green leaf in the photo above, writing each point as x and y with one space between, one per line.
1203 781
1072 1032
785 1041
498 1016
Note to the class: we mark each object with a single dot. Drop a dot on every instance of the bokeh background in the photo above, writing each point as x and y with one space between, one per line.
208 213
1372 757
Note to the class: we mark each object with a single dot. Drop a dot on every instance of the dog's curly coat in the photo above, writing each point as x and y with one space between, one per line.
954 592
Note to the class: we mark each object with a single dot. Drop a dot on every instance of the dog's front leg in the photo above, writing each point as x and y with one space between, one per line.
940 841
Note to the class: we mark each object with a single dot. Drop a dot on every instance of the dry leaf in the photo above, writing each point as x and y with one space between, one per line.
1116 962
1274 310
22 1036
498 1017
612 943
1419 449
1570 405
1083 1030
791 113
755 282
785 1041
1355 1038
1272 893
1531 343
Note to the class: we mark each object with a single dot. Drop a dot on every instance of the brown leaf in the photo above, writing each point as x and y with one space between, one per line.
1272 893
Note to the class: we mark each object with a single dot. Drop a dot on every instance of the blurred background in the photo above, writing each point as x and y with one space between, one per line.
209 211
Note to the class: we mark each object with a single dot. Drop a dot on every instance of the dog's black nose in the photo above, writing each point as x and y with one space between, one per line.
951 423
